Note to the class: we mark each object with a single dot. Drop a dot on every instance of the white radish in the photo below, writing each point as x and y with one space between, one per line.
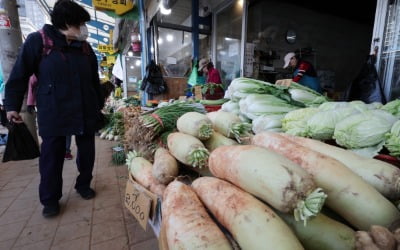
322 232
216 140
141 169
165 167
252 224
188 149
271 177
230 125
187 223
348 194
195 124
381 175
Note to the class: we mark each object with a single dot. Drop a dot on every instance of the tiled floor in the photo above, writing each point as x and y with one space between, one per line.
100 223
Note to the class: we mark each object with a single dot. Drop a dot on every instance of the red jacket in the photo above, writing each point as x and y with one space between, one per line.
213 76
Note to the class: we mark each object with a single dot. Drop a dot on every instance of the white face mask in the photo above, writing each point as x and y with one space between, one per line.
83 33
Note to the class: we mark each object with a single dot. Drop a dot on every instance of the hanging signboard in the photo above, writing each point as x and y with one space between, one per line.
5 22
106 49
118 6
110 60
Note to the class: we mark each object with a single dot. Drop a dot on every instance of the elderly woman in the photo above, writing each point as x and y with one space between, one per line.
304 73
212 77
68 98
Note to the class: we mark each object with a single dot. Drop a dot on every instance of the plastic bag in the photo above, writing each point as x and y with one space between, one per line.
20 144
367 86
193 78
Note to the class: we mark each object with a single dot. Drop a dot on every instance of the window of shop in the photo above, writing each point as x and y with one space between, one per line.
133 73
172 39
389 67
228 36
175 51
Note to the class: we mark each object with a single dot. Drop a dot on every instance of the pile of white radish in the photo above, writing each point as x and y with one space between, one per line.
269 176
141 170
252 224
348 194
187 223
187 149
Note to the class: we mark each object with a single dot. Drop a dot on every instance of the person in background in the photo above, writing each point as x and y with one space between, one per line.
212 76
68 99
304 72
107 88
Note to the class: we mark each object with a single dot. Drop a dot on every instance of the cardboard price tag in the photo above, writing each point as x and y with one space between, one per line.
197 93
138 203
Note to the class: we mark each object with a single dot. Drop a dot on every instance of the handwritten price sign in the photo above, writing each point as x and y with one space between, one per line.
138 203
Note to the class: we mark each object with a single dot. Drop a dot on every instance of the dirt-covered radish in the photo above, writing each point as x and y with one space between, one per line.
271 177
141 170
216 140
252 223
381 175
196 124
165 166
187 223
348 194
188 149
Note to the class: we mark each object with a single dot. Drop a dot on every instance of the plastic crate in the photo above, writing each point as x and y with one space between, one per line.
212 108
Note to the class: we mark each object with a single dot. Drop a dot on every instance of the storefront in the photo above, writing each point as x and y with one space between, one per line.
250 38
386 38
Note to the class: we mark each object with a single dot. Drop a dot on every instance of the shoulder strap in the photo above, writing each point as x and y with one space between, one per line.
47 43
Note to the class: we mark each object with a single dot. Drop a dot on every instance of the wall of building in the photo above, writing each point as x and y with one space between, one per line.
340 45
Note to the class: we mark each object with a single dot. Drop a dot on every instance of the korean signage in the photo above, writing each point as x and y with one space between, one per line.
118 6
106 49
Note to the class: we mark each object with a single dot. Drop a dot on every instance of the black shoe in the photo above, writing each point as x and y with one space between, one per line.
87 193
50 211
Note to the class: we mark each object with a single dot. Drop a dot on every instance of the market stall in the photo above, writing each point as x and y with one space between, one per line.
276 167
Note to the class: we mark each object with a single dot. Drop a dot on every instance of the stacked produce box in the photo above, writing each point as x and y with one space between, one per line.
249 185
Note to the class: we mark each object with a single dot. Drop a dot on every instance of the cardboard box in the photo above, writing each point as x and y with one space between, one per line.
143 205
177 86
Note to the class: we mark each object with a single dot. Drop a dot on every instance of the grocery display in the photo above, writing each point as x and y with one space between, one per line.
274 168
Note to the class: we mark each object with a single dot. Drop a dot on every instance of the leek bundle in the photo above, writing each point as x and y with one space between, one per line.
164 118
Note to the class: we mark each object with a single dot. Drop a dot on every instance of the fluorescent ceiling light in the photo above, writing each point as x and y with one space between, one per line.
163 10
170 38
132 67
130 53
138 62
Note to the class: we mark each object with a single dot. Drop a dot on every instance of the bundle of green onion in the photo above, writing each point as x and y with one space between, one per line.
164 118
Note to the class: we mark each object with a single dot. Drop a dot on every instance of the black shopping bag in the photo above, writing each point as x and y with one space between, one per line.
20 144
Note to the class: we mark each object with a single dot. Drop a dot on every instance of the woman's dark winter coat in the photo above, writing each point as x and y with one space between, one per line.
68 95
